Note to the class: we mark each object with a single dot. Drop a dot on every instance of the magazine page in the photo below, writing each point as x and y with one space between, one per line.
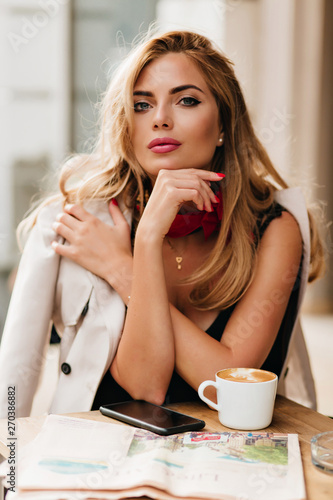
69 453
253 465
129 494
105 460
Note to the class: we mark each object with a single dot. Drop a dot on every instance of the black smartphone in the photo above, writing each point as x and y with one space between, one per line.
152 417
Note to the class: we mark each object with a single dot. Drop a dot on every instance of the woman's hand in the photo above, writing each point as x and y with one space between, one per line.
145 359
172 189
102 249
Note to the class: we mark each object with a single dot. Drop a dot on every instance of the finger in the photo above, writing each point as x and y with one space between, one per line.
208 191
60 249
63 230
196 179
208 195
206 175
116 213
205 194
77 211
68 220
183 192
192 195
65 251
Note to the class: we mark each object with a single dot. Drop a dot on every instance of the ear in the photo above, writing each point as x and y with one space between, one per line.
220 139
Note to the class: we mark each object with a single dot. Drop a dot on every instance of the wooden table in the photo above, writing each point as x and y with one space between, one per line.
289 417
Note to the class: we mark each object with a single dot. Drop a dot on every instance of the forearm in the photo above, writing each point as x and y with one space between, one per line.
243 344
146 354
198 356
120 277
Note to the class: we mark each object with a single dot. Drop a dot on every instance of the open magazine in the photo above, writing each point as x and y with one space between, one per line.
81 459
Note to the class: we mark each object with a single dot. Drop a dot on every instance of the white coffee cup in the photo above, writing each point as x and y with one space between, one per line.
245 397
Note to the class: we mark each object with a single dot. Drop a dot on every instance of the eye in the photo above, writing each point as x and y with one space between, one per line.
141 106
189 101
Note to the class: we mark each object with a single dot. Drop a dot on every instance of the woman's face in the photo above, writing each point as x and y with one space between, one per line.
176 118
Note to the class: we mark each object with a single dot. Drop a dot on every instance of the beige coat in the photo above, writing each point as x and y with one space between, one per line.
89 316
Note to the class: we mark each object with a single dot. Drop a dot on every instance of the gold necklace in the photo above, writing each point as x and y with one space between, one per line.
179 258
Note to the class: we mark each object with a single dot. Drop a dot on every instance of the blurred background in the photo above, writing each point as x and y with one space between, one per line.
56 57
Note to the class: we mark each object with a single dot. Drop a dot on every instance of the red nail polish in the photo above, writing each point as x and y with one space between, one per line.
220 175
114 202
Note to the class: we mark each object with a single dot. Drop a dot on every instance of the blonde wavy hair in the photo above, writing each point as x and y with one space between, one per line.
112 169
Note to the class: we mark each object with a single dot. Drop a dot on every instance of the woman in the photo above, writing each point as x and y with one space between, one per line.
210 266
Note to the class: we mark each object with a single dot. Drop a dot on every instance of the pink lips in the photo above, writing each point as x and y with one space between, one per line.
163 145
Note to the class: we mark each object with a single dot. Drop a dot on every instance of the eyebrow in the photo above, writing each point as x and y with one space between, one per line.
172 91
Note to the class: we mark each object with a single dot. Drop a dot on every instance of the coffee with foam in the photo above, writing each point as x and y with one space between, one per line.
247 375
244 397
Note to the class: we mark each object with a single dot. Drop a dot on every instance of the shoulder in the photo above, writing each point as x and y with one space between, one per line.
49 210
282 239
279 257
285 226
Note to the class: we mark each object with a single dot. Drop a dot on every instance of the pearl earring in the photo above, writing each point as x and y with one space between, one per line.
221 140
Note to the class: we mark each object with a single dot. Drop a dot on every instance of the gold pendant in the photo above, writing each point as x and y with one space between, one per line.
179 262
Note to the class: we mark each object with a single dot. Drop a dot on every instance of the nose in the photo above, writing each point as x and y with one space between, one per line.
162 118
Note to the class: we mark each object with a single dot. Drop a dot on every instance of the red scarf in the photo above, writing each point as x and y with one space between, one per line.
185 224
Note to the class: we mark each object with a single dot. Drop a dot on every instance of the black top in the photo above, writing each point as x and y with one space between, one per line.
179 390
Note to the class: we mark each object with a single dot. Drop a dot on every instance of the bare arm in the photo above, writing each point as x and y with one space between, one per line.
250 332
252 328
254 324
102 249
145 359
157 337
